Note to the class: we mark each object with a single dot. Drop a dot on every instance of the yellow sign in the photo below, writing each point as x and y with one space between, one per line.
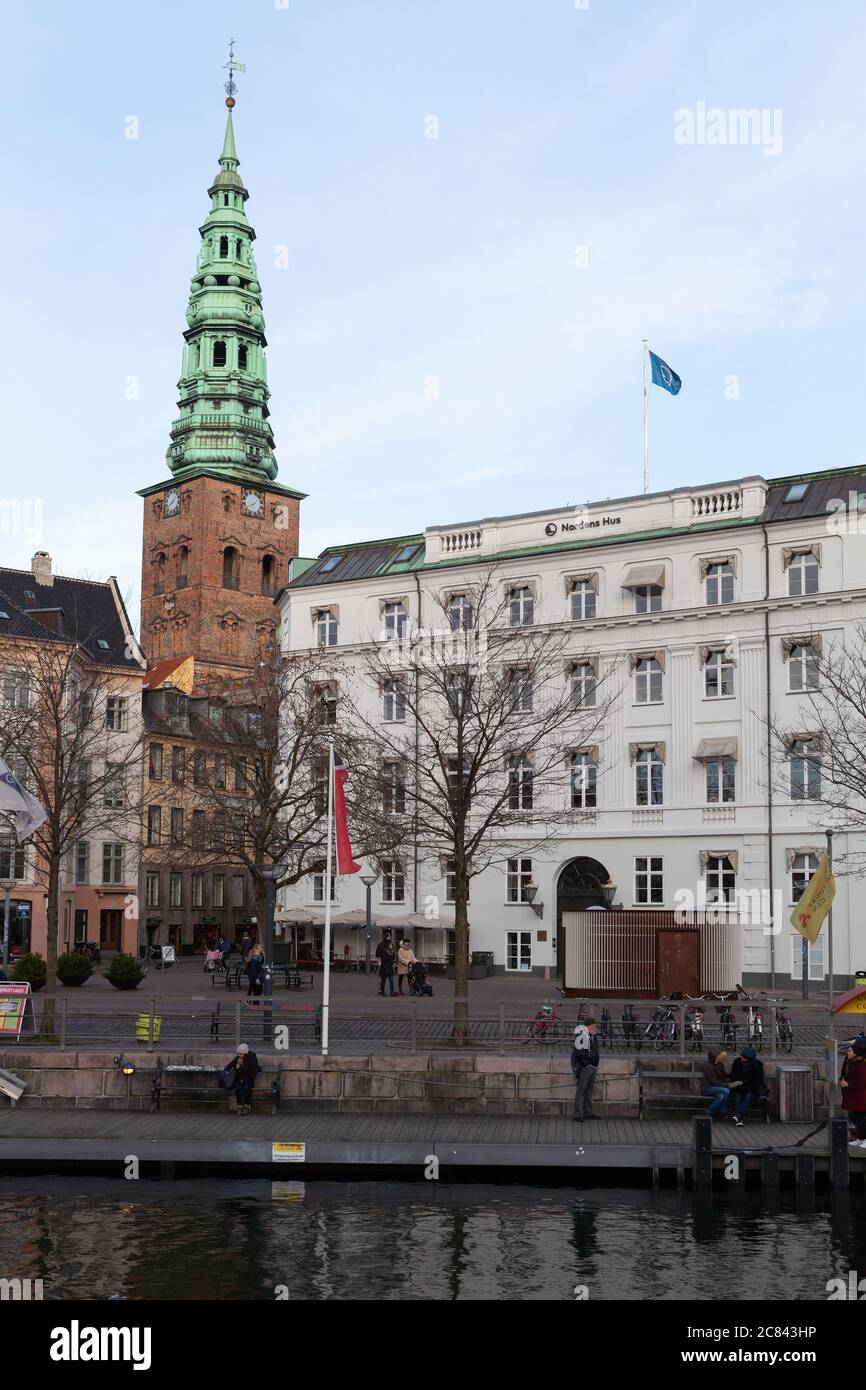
815 903
855 1006
288 1153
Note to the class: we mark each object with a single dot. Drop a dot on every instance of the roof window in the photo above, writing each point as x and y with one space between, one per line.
406 553
331 563
796 492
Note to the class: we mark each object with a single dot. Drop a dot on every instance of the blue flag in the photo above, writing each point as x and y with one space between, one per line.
664 376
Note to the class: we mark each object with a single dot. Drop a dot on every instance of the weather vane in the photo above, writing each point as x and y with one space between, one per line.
233 67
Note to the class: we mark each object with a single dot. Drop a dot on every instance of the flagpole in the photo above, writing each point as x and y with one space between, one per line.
326 965
831 1042
645 419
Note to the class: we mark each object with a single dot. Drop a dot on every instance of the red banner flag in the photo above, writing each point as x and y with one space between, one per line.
345 864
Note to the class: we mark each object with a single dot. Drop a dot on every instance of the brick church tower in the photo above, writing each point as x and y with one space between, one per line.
220 531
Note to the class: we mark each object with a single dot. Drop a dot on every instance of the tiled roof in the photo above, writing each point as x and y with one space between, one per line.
90 613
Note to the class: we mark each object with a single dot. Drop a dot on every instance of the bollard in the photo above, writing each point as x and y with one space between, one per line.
770 1169
682 1011
805 1172
839 1152
702 1151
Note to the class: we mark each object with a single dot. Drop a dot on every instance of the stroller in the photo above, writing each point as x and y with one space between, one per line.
418 978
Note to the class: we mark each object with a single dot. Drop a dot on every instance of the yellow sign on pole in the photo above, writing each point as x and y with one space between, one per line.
815 903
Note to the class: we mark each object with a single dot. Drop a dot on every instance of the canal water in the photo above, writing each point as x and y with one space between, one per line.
256 1239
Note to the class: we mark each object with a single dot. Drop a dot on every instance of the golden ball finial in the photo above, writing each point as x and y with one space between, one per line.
230 101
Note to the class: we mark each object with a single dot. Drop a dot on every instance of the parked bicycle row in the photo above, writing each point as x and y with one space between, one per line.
662 1029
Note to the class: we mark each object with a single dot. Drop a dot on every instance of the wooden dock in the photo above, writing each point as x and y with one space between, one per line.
377 1143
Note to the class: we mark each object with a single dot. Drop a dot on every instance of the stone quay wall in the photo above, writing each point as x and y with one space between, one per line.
408 1084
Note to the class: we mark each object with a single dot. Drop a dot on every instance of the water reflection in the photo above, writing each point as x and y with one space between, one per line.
212 1239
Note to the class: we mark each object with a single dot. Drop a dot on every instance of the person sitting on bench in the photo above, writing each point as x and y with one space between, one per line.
716 1081
246 1068
747 1074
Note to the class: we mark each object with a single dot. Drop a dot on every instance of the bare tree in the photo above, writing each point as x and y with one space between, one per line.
501 715
263 784
70 732
821 758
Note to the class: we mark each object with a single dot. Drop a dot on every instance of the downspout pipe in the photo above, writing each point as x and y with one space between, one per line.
768 719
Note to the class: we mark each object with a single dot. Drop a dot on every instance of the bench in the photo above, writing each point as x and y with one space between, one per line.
691 1101
192 1081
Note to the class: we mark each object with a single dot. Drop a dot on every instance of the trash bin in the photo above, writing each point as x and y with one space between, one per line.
796 1092
142 1028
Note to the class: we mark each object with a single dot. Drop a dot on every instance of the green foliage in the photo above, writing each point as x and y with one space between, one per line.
74 969
30 967
125 972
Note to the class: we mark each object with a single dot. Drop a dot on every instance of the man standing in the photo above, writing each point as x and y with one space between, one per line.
386 955
584 1065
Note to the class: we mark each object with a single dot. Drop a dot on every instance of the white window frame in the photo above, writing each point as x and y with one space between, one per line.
584 601
112 862
151 889
804 574
811 770
718 669
449 882
521 783
719 584
721 880
393 881
518 873
393 702
583 682
653 793
117 714
817 963
648 677
722 786
394 788
518 948
648 598
649 880
583 777
804 669
326 628
461 613
520 690
16 689
521 606
807 871
395 620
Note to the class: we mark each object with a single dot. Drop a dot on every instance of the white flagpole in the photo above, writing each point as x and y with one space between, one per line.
645 418
326 966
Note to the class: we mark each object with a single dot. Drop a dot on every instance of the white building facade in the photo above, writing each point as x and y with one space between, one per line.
709 608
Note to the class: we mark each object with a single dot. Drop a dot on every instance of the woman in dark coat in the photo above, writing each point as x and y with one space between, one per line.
256 970
716 1081
853 1085
246 1066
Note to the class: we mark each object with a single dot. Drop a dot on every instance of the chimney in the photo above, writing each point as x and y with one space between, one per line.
40 566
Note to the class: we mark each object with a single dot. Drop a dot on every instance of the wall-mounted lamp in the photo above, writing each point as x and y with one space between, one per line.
530 890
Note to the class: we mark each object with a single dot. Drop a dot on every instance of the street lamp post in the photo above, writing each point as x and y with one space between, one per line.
368 880
7 884
270 873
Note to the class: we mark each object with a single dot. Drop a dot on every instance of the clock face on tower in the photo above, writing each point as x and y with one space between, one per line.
252 502
171 506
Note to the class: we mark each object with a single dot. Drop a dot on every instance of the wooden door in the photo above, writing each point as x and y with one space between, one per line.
110 921
678 962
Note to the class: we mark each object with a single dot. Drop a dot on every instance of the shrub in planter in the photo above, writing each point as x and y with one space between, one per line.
125 972
74 969
30 967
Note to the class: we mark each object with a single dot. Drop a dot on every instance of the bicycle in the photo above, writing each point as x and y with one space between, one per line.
728 1026
662 1030
694 1029
784 1029
546 1026
755 1026
606 1029
630 1029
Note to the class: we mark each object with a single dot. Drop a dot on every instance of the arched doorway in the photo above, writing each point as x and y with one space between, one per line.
580 886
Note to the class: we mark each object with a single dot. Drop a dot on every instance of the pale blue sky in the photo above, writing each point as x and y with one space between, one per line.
411 258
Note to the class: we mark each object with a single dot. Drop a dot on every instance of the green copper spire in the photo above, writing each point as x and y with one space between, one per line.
223 423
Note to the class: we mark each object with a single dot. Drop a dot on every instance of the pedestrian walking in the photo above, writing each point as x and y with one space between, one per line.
747 1075
256 971
246 1065
716 1081
386 955
853 1086
584 1066
246 943
405 959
